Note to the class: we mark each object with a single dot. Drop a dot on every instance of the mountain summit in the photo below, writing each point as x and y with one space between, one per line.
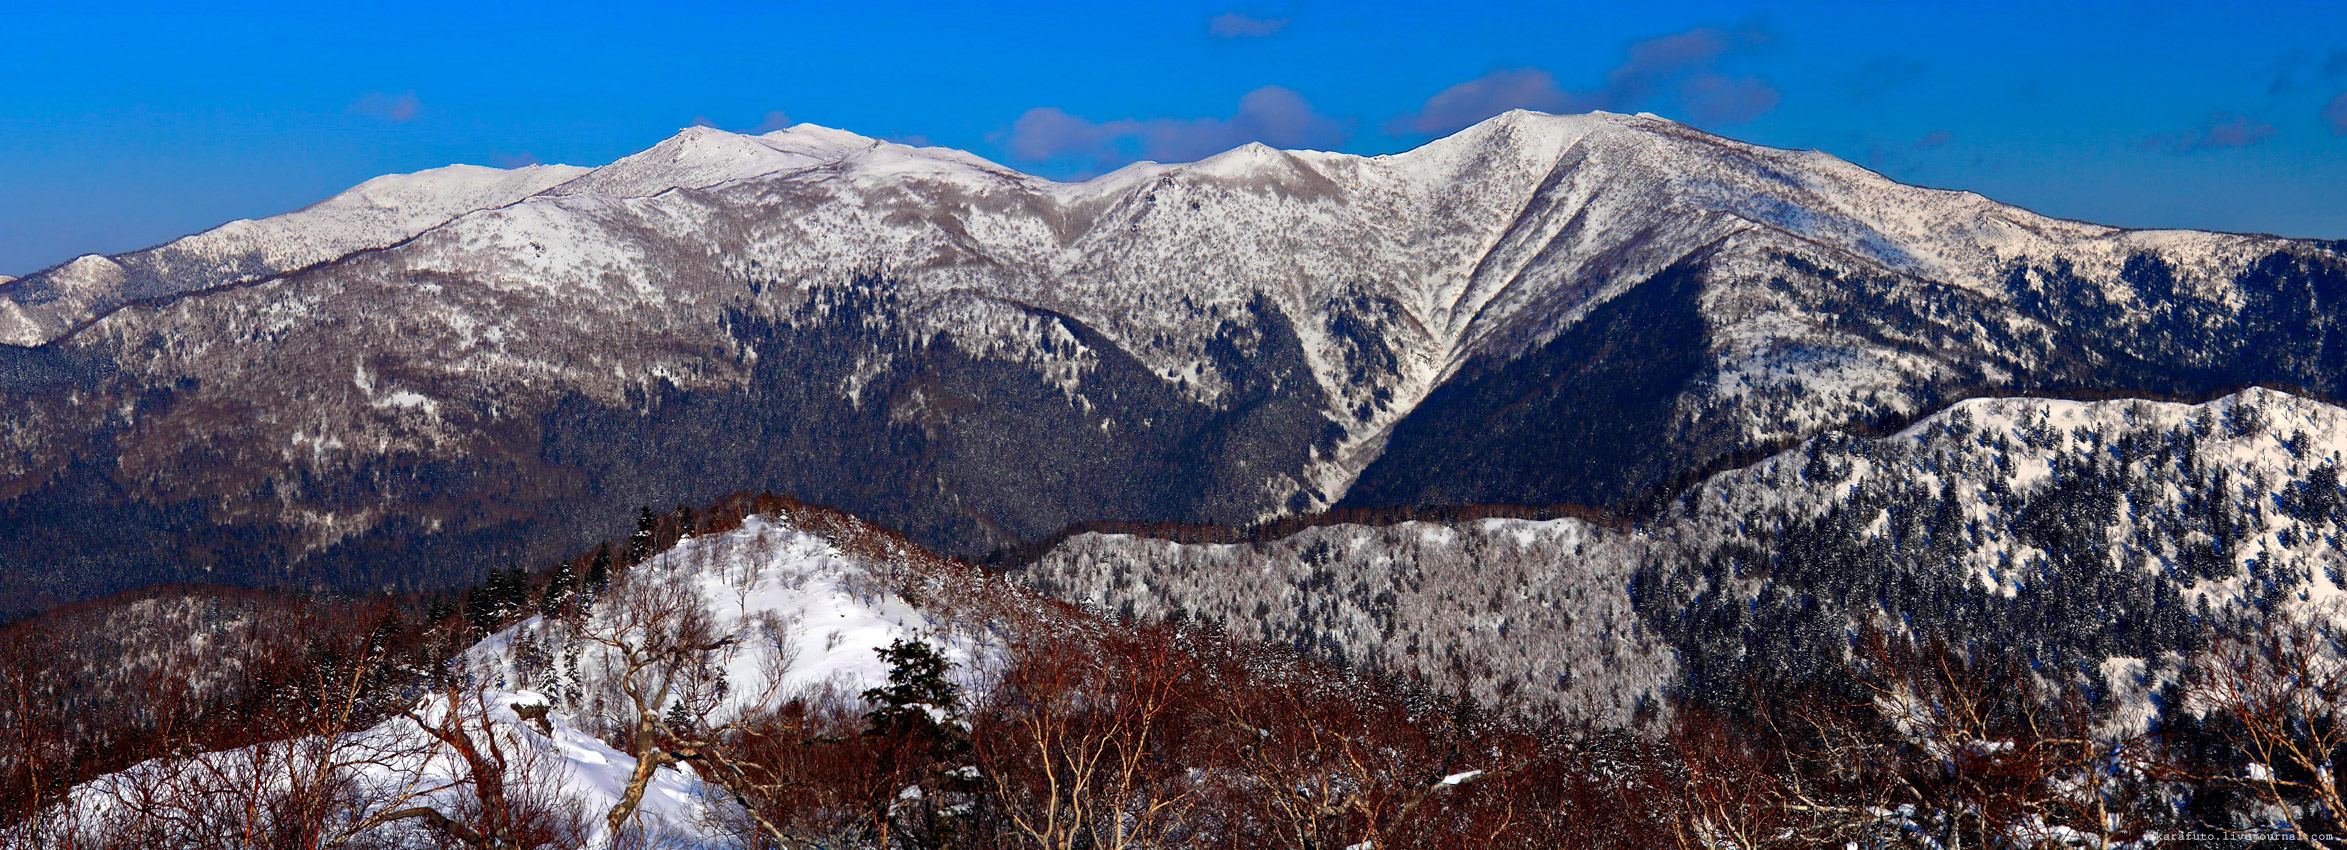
403 381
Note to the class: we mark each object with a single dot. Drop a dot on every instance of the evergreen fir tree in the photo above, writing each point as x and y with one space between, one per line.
916 684
598 578
559 589
679 718
912 717
481 605
639 545
502 595
517 602
438 611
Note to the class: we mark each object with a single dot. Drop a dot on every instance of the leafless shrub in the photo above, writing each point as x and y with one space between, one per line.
2280 697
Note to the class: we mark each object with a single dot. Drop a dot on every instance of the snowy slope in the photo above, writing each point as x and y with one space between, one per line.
800 604
1532 615
2231 506
1592 309
373 214
1980 457
794 597
2098 537
2094 537
396 763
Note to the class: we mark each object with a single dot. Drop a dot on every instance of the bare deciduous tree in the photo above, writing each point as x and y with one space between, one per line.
1076 742
661 681
509 794
2280 695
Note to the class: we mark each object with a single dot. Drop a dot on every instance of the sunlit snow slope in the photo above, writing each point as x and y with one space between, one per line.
804 616
374 214
1595 309
2103 540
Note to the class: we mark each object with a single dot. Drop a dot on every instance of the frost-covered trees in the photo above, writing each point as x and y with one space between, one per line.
2075 532
1527 614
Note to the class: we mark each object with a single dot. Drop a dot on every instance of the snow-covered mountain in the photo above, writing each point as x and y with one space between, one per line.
1593 308
2100 539
2081 534
802 614
374 214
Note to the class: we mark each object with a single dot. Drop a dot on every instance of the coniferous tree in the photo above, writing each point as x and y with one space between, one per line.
598 578
482 607
517 601
916 684
915 726
639 545
502 595
560 587
438 611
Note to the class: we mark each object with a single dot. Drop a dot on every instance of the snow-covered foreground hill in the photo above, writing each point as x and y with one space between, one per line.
801 617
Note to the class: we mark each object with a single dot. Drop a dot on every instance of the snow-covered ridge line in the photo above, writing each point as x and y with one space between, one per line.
394 208
372 215
1518 613
2145 520
1279 328
801 613
382 213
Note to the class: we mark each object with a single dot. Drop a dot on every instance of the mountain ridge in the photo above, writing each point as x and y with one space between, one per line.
1256 335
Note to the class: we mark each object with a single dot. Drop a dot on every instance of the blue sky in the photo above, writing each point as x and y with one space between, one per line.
126 125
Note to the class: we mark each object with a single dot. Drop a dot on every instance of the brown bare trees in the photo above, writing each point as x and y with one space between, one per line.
1326 766
1083 733
35 752
810 777
1916 742
1171 736
329 772
1079 741
508 793
2280 698
658 684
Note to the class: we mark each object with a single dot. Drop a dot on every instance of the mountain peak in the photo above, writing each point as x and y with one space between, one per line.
698 157
816 134
434 188
1252 157
91 263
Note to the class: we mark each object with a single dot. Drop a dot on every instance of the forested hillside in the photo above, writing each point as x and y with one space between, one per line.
2101 540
